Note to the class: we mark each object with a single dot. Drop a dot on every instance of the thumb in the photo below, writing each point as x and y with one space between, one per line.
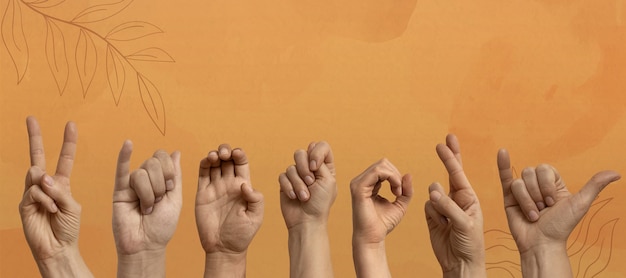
61 196
597 183
445 206
253 198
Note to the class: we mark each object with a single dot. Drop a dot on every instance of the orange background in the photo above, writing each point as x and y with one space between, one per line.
545 79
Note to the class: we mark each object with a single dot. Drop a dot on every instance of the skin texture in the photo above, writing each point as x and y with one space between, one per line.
229 211
373 217
308 190
455 220
50 216
146 207
542 213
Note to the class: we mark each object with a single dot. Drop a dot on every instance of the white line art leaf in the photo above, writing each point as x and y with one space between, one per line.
45 3
116 74
152 102
56 54
14 39
101 12
152 54
598 255
86 59
132 30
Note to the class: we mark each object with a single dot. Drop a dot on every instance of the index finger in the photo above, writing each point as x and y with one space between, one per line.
122 173
35 141
68 151
376 173
458 180
453 144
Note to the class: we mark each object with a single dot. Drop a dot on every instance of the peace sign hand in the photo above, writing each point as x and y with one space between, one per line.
50 215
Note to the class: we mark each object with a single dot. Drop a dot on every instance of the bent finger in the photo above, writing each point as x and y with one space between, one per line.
302 166
526 203
140 182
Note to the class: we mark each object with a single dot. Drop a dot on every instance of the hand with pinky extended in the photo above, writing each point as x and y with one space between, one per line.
229 211
146 208
308 190
542 213
373 216
455 220
50 215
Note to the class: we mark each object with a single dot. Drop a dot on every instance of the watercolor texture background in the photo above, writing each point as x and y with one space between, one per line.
544 78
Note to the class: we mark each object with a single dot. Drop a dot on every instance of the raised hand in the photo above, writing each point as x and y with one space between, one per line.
50 215
308 190
229 211
146 207
373 216
542 213
455 220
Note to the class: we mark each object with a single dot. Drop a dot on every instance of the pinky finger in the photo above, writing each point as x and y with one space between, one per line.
35 195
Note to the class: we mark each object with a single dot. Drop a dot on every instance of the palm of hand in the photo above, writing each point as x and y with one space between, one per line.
377 218
226 226
555 223
139 232
49 232
323 193
452 243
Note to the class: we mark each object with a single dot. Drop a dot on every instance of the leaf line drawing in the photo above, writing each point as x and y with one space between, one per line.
589 247
84 50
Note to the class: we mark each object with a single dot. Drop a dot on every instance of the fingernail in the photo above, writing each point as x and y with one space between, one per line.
158 199
148 210
292 195
549 201
541 205
303 195
223 152
312 165
533 216
169 185
309 180
435 196
48 180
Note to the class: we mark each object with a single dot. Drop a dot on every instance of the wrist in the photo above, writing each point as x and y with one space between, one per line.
309 251
67 263
549 260
147 263
467 269
225 264
370 259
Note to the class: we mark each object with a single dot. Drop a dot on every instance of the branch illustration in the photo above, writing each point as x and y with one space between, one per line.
589 247
117 64
14 39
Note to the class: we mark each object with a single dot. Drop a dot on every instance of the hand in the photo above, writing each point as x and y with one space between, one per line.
308 189
146 207
373 217
228 211
542 213
455 221
50 215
